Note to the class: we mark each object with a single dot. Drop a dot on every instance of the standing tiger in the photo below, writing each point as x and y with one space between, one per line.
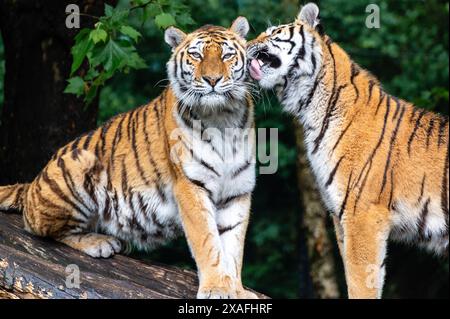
380 163
165 166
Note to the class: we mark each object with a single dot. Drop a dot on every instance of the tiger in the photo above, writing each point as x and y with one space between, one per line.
381 164
167 168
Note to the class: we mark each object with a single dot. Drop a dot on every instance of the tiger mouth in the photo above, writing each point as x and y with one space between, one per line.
262 59
265 58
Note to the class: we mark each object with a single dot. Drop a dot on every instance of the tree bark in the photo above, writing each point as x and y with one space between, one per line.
37 117
32 267
314 226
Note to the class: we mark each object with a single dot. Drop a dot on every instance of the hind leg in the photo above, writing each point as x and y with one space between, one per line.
64 202
93 244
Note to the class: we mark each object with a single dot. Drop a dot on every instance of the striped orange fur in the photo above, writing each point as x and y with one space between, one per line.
134 181
381 164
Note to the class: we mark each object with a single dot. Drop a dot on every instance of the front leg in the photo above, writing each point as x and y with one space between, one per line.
232 222
364 251
198 217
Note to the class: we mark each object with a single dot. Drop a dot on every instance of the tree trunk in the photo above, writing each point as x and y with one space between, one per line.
319 246
33 267
37 117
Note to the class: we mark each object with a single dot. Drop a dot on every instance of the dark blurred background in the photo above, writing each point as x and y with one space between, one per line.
284 257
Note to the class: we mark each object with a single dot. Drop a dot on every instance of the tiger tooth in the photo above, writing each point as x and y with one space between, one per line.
261 63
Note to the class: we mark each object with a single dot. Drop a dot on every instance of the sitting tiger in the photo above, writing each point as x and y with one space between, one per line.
380 163
161 168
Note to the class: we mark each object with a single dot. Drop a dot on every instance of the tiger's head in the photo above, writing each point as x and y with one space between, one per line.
287 53
208 66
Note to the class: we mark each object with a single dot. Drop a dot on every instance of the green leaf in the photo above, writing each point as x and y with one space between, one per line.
79 51
91 74
112 56
131 32
109 10
98 35
75 86
136 62
184 19
164 20
152 10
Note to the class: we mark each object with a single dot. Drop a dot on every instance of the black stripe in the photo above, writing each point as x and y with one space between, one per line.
223 230
327 118
58 192
89 186
107 209
299 55
155 110
382 96
124 179
88 139
70 183
241 169
430 132
413 114
333 172
197 159
397 108
383 264
422 188
130 122
226 202
354 72
134 128
103 133
413 134
423 219
75 143
391 195
116 140
153 164
8 194
306 103
291 35
391 146
368 163
342 134
442 125
325 121
60 209
371 85
347 192
202 186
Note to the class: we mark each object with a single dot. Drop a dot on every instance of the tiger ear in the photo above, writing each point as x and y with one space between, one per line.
310 14
240 26
174 37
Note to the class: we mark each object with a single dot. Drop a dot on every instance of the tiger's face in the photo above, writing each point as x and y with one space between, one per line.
208 66
286 52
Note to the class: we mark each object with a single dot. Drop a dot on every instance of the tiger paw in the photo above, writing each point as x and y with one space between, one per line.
95 245
105 248
246 294
217 293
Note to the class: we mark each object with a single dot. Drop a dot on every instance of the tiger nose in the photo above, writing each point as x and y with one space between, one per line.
212 80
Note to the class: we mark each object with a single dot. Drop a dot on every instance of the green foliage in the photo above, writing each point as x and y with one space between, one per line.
110 47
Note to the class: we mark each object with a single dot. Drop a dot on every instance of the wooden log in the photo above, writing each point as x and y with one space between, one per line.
33 267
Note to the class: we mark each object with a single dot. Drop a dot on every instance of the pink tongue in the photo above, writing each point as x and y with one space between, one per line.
255 70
